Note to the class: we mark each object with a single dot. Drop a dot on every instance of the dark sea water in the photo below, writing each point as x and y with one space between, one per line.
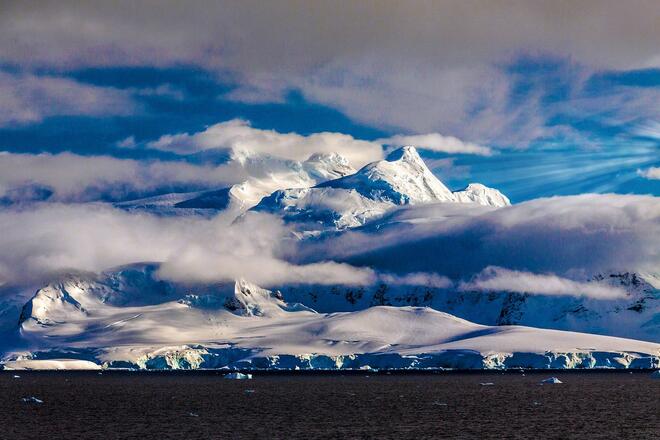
203 405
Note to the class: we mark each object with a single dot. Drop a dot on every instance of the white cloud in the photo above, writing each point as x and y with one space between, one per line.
649 129
539 247
425 279
72 177
26 98
128 142
650 173
48 239
238 136
437 142
498 279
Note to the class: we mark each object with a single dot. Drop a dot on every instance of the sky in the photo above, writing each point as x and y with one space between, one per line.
535 99
556 104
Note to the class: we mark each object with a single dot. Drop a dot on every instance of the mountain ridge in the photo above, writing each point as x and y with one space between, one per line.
401 179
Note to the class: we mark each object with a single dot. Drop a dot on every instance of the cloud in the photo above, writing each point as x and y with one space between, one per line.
650 129
498 279
425 279
239 137
71 177
229 153
513 104
283 36
48 239
437 142
422 67
467 102
572 237
128 142
650 173
27 98
547 246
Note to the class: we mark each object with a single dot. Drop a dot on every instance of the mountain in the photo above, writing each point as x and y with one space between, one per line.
482 195
129 318
322 192
401 179
265 174
636 316
422 241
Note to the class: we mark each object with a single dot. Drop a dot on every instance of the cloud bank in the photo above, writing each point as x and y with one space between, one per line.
437 142
650 173
544 247
573 237
26 98
420 67
285 36
74 178
240 138
498 279
221 155
49 239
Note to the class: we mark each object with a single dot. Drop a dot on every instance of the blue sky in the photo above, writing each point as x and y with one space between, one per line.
563 114
600 154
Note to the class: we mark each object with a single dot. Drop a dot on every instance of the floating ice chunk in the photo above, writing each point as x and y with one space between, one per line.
237 375
31 399
551 380
486 384
16 376
192 414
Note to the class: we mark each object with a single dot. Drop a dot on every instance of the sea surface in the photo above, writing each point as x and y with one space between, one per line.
204 405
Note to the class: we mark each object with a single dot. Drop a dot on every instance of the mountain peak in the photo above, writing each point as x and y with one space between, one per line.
401 178
407 154
481 194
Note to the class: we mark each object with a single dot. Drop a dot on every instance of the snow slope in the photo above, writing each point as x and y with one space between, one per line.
100 319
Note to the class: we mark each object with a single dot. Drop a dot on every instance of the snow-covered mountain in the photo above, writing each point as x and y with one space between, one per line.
637 315
265 175
482 195
322 192
401 179
129 318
